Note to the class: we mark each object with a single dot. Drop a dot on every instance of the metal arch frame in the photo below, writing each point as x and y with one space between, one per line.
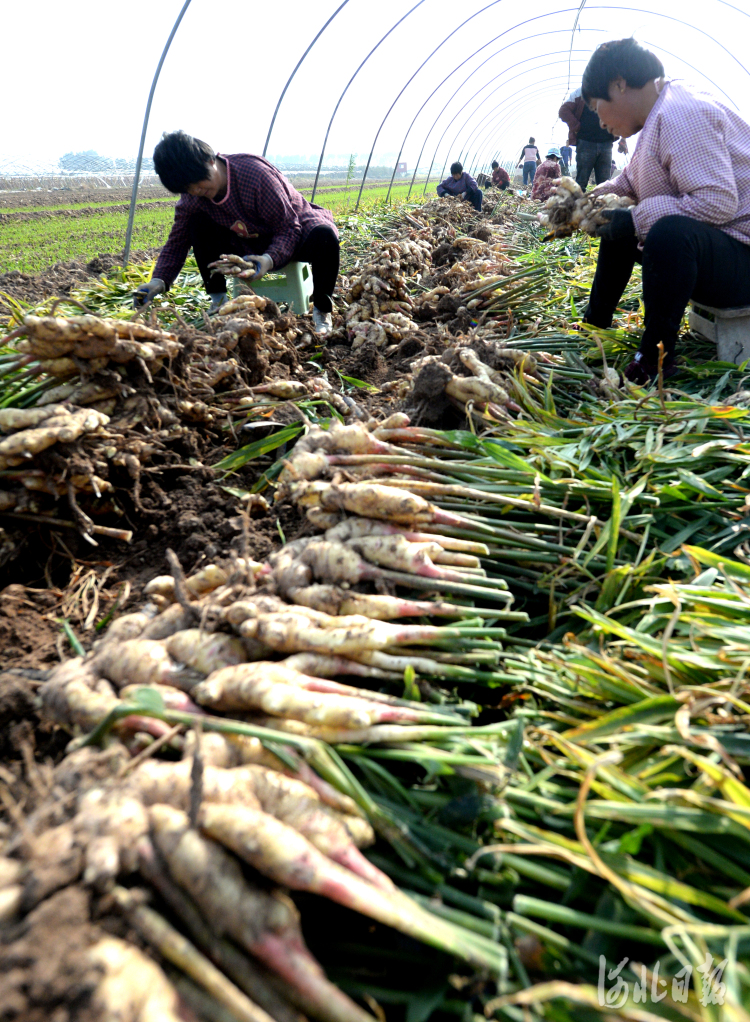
524 91
656 46
488 129
554 31
608 8
304 55
470 57
429 57
678 21
676 57
480 126
346 89
575 25
488 82
294 72
508 119
739 11
469 118
486 151
139 160
513 96
572 37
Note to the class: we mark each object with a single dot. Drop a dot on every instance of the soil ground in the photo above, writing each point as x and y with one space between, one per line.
54 575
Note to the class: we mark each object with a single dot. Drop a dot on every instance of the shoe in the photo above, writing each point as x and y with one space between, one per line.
642 371
217 300
322 322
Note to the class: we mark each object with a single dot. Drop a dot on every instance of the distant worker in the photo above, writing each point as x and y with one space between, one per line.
500 177
547 175
239 205
593 142
566 157
463 185
530 160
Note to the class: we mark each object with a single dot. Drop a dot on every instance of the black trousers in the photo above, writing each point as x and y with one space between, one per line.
475 198
596 156
682 259
320 248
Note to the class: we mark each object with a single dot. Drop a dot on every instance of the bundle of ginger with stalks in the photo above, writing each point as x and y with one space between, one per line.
569 209
184 826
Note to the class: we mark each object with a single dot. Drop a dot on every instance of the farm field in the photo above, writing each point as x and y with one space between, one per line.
421 652
34 237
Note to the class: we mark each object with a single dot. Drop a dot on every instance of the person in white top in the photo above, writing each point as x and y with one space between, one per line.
530 159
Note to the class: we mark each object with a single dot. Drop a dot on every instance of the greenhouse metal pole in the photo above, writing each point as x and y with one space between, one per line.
484 86
483 124
677 21
492 129
572 37
655 46
553 53
346 89
432 127
410 80
482 47
509 98
492 116
296 69
639 10
554 31
473 112
134 196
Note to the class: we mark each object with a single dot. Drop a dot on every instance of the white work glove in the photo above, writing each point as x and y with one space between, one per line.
143 294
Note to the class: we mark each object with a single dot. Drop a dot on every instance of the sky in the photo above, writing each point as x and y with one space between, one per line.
81 80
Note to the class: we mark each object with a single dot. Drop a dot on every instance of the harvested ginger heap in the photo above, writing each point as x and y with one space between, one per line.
568 209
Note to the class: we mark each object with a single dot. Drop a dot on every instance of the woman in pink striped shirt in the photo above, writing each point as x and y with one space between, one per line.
690 178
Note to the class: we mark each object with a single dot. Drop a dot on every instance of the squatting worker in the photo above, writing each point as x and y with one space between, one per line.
547 176
240 204
463 185
690 178
500 177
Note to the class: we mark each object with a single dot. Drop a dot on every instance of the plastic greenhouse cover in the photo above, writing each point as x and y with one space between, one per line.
417 82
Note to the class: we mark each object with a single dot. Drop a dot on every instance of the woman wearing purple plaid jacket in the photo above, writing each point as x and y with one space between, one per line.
690 179
241 205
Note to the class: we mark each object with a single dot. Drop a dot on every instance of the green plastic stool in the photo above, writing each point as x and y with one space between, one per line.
292 284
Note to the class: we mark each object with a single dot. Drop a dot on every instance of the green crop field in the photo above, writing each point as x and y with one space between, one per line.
33 245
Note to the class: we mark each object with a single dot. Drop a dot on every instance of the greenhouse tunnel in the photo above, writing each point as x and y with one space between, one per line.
375 512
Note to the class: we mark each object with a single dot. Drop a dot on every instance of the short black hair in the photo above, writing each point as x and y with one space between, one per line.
181 160
532 139
495 164
621 58
457 168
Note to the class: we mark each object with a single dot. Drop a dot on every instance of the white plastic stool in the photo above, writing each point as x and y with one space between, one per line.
292 284
729 329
